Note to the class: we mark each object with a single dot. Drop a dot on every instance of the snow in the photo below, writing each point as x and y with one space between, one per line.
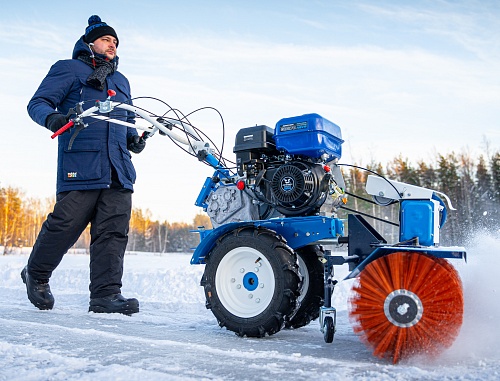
175 337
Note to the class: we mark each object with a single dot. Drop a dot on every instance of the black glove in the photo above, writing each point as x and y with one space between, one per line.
136 144
55 121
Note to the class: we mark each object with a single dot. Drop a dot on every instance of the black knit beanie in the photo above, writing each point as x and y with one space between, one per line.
98 28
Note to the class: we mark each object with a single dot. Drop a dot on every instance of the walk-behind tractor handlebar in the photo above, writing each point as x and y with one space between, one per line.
266 266
102 110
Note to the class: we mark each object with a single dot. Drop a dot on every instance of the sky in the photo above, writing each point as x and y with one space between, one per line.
409 78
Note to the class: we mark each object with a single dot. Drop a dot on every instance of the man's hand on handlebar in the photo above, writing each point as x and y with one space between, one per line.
136 144
55 121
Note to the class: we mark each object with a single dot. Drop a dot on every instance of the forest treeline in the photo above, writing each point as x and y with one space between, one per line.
22 217
472 183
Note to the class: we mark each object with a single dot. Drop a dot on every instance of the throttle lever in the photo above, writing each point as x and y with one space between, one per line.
146 135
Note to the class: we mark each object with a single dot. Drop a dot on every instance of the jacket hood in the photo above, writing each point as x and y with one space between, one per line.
80 47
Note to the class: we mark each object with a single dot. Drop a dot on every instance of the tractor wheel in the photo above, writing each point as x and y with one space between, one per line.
251 282
328 330
312 288
406 304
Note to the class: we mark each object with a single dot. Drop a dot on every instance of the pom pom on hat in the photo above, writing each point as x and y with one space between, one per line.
94 19
98 28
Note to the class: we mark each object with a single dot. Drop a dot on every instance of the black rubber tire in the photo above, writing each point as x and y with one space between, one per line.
312 288
328 329
279 263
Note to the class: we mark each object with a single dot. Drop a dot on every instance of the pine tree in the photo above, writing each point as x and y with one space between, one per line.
426 175
484 203
495 180
448 183
402 170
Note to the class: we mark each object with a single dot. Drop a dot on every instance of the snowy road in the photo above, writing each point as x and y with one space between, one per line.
175 338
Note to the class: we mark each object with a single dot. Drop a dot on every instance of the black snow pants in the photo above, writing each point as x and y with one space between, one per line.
108 212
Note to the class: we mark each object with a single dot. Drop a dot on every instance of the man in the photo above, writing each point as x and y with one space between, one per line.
95 174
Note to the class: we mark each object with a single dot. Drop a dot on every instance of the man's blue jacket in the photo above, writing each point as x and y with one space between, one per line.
87 165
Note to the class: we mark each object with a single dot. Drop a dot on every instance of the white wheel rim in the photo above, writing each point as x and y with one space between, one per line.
245 282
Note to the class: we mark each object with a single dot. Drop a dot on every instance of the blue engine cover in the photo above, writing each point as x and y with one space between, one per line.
309 135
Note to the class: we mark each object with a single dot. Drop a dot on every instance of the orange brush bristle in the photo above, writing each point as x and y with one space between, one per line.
406 304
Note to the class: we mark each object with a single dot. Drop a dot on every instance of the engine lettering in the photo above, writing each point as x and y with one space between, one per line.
293 126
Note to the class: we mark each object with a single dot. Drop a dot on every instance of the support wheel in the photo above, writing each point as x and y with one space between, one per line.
328 329
311 286
251 282
406 304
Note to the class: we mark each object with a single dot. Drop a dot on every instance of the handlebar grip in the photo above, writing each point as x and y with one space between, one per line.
67 126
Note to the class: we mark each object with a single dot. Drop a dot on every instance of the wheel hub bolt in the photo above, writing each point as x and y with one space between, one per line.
403 308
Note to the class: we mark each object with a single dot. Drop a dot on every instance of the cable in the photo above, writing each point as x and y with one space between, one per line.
365 199
361 198
201 134
373 172
368 215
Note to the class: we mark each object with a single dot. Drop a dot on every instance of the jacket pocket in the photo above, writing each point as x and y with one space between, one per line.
121 88
83 161
128 166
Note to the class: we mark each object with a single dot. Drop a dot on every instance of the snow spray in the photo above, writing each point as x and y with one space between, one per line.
480 333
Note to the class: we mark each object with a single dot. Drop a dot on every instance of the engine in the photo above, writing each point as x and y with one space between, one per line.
291 188
280 172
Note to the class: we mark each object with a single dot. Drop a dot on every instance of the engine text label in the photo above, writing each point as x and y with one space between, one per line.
293 126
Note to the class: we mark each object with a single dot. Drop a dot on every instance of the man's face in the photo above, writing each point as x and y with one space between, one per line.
106 45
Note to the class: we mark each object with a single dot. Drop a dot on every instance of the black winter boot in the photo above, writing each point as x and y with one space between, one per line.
38 291
115 303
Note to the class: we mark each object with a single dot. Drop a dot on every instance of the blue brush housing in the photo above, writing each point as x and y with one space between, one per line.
309 135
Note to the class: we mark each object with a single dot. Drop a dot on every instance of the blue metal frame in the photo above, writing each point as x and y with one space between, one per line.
209 183
302 231
439 252
297 231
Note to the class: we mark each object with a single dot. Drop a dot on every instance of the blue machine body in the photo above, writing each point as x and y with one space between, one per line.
313 136
309 135
298 232
302 231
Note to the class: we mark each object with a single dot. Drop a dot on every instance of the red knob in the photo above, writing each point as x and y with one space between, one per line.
111 93
240 185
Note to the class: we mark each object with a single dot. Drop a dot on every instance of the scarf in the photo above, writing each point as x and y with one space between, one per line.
102 68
